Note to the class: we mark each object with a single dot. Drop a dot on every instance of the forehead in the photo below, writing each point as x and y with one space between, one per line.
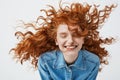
65 27
62 28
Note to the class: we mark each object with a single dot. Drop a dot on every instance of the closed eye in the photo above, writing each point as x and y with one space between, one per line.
63 35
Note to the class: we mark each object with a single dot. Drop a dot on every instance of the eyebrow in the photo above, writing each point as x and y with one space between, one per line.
62 33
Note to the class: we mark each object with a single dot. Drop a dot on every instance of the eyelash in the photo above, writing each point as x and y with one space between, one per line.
74 35
63 36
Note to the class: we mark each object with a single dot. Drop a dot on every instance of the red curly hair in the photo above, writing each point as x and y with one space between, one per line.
88 17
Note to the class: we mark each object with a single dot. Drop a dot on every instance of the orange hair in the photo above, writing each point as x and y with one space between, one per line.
88 17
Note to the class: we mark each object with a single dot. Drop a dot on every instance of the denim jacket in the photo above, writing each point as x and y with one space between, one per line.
52 66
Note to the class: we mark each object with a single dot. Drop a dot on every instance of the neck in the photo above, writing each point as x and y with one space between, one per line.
70 58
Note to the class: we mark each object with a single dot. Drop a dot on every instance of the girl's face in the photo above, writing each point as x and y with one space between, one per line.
68 40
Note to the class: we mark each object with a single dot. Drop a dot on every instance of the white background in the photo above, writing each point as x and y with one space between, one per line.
28 10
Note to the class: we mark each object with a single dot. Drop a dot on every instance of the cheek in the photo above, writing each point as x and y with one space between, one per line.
80 41
60 41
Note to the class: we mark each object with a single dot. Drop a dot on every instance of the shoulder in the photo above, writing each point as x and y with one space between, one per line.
89 56
48 56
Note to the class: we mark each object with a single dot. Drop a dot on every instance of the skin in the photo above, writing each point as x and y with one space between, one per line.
69 42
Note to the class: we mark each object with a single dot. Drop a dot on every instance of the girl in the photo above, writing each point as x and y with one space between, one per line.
66 46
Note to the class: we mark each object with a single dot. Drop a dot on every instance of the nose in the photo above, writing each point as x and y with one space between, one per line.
70 39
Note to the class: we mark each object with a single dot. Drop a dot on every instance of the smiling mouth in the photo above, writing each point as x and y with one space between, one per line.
71 47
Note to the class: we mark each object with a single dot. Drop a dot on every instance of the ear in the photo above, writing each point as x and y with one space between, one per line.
83 40
56 42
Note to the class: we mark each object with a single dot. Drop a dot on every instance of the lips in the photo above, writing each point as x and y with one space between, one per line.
72 47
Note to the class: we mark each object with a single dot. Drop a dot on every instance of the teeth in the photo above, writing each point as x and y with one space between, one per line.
71 46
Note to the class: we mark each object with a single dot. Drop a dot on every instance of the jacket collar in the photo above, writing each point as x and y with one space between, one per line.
60 62
79 63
